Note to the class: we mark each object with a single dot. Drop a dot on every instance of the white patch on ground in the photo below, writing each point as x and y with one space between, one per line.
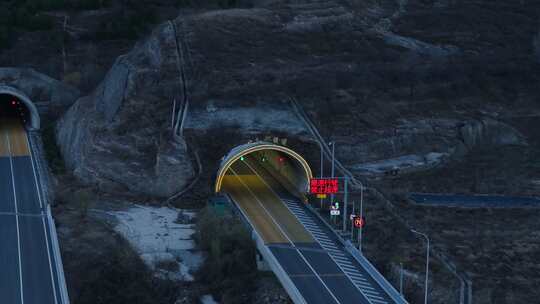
405 162
208 299
160 239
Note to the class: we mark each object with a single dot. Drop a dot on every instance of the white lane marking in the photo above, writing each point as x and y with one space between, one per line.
359 279
342 258
366 286
283 232
344 261
327 243
372 296
43 221
16 216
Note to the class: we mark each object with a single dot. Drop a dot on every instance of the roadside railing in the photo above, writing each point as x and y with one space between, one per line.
36 148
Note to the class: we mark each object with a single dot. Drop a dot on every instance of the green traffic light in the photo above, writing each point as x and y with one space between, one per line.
241 158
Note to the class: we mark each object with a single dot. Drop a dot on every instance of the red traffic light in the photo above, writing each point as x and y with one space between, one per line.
13 103
281 159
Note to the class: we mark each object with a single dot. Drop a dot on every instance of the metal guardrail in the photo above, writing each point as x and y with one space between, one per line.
57 257
36 148
269 257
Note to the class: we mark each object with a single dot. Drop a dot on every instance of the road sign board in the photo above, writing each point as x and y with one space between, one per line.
323 185
359 222
352 216
334 212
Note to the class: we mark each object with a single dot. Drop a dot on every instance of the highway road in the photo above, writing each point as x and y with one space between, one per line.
27 275
321 269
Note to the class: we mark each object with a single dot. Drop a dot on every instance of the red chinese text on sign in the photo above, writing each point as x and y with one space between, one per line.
323 186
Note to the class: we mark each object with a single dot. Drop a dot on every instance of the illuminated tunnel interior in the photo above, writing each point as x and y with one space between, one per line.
272 163
13 108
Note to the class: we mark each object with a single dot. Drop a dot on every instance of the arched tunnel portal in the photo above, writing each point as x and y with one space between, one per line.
280 162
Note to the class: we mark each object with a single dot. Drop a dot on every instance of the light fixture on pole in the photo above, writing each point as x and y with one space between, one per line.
333 165
361 215
322 169
427 264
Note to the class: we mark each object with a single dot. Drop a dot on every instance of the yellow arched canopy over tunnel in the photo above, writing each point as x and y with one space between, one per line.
302 181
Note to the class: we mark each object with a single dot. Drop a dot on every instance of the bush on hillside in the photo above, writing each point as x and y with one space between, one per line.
230 268
122 277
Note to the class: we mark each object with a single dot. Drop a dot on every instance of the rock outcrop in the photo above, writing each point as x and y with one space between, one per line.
423 144
119 137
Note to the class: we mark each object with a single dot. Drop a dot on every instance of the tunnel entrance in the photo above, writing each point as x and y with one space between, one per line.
280 162
12 107
15 106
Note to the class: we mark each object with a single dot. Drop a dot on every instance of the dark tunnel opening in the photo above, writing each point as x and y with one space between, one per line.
13 108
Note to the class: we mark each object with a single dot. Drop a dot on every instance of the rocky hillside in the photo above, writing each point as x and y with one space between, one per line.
391 96
438 89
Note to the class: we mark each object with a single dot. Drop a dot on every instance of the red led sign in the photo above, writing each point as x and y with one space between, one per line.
323 185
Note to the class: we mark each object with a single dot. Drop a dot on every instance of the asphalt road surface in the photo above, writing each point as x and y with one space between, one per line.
320 268
27 275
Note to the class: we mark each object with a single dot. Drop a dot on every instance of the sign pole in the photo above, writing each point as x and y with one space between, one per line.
401 278
322 168
352 222
361 216
345 202
333 159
